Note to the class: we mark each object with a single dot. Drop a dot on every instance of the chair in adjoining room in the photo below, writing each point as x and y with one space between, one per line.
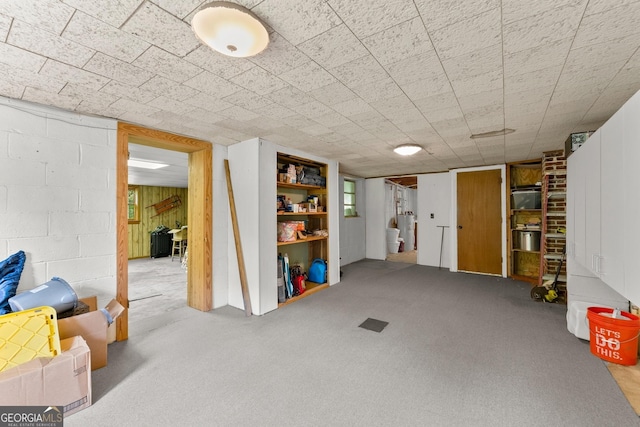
179 241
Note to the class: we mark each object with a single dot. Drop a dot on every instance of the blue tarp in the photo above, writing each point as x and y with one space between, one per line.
10 271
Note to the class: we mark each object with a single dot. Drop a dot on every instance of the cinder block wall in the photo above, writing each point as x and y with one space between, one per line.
58 196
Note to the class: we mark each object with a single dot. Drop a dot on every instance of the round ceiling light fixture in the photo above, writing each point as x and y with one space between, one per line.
407 149
230 29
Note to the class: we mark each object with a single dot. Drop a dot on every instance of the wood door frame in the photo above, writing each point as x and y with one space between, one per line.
200 217
453 219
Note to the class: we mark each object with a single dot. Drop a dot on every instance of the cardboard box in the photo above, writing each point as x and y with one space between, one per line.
63 380
92 326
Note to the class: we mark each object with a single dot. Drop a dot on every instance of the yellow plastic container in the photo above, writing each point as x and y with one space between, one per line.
28 334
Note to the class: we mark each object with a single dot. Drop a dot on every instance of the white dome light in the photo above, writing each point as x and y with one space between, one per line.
230 29
407 149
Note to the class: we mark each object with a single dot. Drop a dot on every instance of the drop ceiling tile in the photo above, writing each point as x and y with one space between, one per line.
486 82
141 119
213 85
595 77
117 70
493 97
468 35
259 81
442 13
603 53
180 8
367 17
332 119
11 89
247 99
334 47
163 86
352 107
399 42
377 90
205 116
20 58
316 130
313 109
49 15
95 34
224 66
274 111
427 88
443 114
332 94
280 56
347 129
297 21
114 13
5 23
537 79
436 102
556 24
599 6
290 97
164 30
238 113
474 63
167 65
50 98
171 105
609 25
389 106
421 126
360 71
64 72
420 67
308 76
132 93
537 58
98 108
297 121
515 10
525 97
89 95
133 107
367 119
451 127
42 42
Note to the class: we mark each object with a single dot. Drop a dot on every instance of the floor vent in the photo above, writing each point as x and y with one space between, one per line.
374 325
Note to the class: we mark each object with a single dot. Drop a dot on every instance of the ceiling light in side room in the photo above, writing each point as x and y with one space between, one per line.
493 133
407 149
145 164
230 29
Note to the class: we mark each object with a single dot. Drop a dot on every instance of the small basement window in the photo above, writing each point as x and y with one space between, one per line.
133 208
350 198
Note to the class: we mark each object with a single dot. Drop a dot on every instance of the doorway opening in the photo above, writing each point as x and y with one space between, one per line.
199 262
401 196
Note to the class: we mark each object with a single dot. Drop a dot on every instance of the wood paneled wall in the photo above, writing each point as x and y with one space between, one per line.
140 234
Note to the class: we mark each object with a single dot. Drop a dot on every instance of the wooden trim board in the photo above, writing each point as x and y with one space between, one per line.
200 215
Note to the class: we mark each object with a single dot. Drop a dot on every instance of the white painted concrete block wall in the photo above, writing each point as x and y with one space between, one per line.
57 196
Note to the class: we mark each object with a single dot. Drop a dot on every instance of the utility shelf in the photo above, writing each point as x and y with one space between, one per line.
561 278
556 194
522 250
300 186
552 256
312 288
301 213
308 239
557 214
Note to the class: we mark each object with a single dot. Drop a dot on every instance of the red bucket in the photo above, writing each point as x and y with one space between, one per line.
614 339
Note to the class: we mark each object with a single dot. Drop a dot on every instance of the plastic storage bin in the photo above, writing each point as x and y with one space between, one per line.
28 334
526 199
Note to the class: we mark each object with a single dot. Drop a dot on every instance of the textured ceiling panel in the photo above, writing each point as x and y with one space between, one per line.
345 79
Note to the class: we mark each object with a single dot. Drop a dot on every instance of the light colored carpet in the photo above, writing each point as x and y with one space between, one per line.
459 350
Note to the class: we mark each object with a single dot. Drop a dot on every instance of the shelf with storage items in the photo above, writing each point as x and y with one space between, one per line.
302 215
525 219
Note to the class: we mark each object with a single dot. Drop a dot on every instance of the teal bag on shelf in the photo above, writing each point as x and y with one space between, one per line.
318 271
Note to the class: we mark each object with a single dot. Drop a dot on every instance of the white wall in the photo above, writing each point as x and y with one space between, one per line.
376 223
352 229
221 224
434 197
58 196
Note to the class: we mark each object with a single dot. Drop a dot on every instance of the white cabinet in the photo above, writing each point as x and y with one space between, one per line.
603 204
609 260
628 234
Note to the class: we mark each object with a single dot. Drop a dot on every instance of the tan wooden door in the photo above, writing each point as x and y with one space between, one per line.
479 222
